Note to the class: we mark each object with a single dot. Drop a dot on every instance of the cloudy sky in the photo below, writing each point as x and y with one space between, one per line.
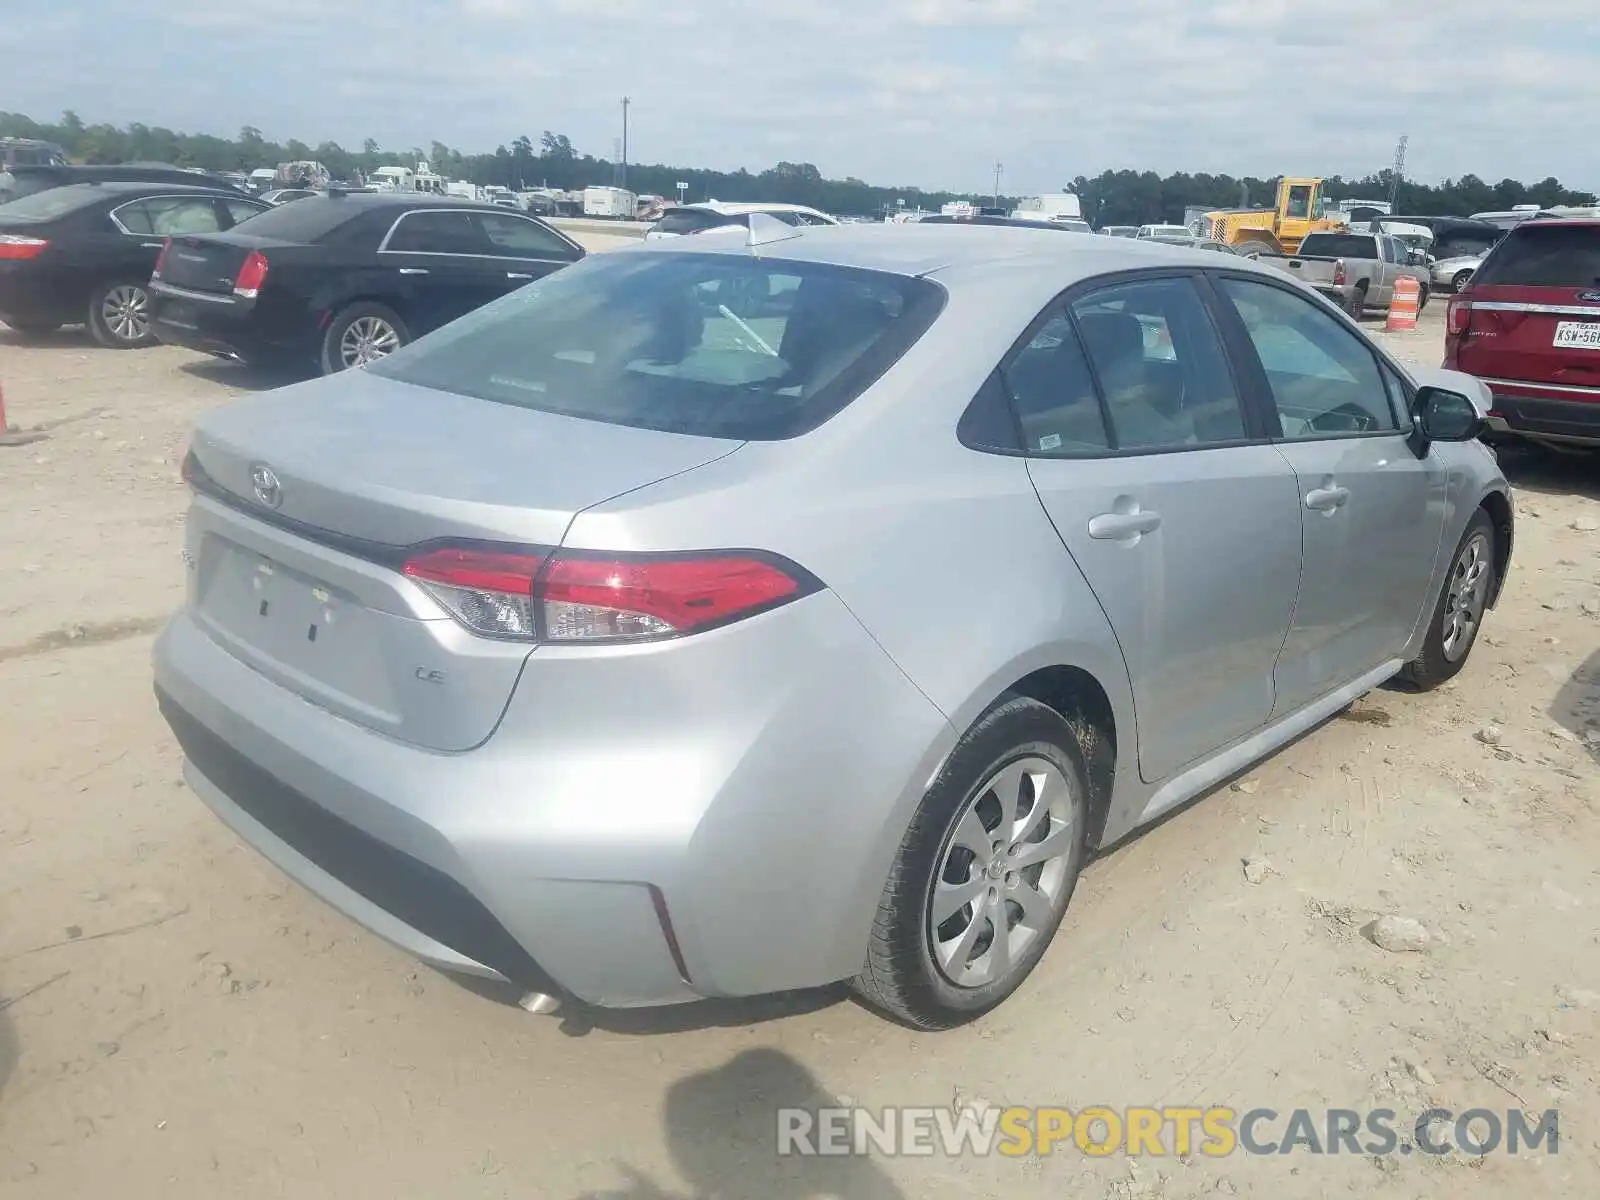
926 92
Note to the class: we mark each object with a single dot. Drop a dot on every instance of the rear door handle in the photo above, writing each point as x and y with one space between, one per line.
153 245
1115 526
518 275
413 270
1326 499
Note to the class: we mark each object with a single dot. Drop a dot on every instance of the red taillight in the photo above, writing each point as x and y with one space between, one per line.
1338 273
1457 315
557 596
14 246
252 274
161 259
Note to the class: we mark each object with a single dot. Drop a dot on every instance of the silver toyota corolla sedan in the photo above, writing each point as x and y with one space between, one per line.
726 616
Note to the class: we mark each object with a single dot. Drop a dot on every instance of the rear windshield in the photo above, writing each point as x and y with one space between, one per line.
1535 255
683 220
303 221
50 203
709 344
1339 245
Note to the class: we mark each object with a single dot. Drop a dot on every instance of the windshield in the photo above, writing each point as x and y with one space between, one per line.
708 344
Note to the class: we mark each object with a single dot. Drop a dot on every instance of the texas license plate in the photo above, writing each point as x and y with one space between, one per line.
1578 335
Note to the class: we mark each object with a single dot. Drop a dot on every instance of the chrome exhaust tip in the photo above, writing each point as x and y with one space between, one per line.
540 1003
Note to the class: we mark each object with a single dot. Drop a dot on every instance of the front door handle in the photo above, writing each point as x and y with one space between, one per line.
413 270
1115 526
154 245
1326 499
518 275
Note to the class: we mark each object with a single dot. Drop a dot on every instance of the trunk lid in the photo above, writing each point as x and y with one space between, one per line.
308 591
210 263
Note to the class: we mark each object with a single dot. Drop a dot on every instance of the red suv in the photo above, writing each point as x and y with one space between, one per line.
1528 325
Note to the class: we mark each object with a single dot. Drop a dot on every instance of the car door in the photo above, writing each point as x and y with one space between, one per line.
1372 512
1183 519
442 264
524 249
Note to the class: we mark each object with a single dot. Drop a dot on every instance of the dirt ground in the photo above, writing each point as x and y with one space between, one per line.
176 1019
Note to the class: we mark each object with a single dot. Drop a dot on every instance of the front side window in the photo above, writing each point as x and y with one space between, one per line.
242 210
1324 380
1161 369
518 237
707 344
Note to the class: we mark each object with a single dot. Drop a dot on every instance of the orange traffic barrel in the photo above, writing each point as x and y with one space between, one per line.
1404 304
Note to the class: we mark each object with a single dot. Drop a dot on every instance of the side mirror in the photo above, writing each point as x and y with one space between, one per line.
1442 416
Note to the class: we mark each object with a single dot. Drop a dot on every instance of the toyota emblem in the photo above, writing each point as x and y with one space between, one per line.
266 486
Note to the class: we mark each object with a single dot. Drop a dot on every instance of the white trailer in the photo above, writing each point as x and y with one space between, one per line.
1053 206
611 203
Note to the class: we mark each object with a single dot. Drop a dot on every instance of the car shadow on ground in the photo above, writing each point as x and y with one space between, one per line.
1551 472
1577 705
721 1130
247 377
8 1046
73 337
578 1019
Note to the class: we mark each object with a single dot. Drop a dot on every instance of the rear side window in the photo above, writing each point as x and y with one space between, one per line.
1053 393
168 216
707 344
1535 255
438 233
1339 245
685 220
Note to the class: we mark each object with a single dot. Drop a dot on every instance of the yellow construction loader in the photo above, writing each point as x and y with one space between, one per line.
1276 230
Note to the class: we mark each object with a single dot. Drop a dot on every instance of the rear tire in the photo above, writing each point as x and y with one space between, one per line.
1462 278
1422 296
119 315
997 840
1458 616
360 334
1356 306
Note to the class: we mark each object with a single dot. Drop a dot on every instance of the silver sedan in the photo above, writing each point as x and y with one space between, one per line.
731 615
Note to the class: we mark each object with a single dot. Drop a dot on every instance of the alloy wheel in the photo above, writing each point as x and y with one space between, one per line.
1003 873
367 339
125 311
1464 597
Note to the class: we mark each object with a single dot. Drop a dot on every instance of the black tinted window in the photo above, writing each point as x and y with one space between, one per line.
518 237
718 345
1537 255
685 220
305 220
1339 245
1160 366
439 233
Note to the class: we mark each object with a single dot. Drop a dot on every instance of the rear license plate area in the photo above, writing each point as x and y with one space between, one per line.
1577 335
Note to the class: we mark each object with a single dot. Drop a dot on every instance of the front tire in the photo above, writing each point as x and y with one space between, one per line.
361 334
985 872
1462 278
119 315
1459 614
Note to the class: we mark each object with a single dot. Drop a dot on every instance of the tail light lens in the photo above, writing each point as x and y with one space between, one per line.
575 596
14 246
252 274
161 259
1338 273
1457 315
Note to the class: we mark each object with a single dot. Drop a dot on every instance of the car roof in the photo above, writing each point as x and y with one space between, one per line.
135 187
739 206
924 248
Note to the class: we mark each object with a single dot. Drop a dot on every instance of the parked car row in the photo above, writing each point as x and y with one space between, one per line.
330 281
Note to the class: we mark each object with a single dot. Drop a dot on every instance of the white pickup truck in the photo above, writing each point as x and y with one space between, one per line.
1357 271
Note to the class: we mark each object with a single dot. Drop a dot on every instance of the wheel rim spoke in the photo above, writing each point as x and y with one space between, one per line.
1035 905
950 898
1054 844
953 955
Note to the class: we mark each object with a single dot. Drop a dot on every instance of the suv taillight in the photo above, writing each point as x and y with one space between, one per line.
252 274
1457 315
1338 273
580 596
161 259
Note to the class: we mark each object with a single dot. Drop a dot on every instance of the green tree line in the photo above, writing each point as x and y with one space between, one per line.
1110 198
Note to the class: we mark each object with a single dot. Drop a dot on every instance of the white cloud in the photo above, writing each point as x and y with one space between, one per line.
913 91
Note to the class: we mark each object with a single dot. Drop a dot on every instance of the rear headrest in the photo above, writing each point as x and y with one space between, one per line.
1112 338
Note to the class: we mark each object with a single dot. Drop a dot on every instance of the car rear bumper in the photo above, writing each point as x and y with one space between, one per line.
1548 411
217 325
648 825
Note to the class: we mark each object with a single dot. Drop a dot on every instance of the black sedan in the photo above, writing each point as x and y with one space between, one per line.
343 279
84 253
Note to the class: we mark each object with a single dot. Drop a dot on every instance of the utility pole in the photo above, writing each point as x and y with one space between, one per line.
998 167
625 102
1399 171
